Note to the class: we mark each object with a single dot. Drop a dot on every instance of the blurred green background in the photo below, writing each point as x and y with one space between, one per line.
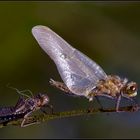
107 32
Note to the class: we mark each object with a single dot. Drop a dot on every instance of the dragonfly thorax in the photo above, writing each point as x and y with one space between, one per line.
114 86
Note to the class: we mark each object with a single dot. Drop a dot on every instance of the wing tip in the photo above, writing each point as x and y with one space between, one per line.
39 28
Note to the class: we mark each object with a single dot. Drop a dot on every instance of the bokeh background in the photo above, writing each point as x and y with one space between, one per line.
107 32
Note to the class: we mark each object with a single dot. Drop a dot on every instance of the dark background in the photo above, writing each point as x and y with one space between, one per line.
107 32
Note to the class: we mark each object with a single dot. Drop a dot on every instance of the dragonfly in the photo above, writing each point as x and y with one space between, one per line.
81 75
23 108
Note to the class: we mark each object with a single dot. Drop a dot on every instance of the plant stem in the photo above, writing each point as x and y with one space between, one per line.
58 115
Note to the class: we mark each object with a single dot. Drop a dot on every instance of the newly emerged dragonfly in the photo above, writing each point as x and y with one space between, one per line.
81 75
23 108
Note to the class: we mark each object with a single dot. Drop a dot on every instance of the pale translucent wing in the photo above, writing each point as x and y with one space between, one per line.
78 72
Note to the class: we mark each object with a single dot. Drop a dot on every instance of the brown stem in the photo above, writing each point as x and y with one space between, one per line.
46 117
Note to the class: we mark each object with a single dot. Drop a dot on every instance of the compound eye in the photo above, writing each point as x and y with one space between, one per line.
131 89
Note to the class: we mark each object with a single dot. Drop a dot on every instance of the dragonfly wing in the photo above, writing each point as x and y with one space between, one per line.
78 72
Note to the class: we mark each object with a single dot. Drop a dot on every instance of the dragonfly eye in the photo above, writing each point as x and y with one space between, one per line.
131 89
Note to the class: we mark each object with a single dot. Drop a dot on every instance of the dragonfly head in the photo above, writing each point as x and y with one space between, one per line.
130 89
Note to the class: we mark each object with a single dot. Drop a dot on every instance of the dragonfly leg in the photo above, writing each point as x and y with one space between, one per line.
90 107
21 92
110 97
105 95
99 102
22 124
131 99
59 85
94 95
118 103
24 120
32 123
133 102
